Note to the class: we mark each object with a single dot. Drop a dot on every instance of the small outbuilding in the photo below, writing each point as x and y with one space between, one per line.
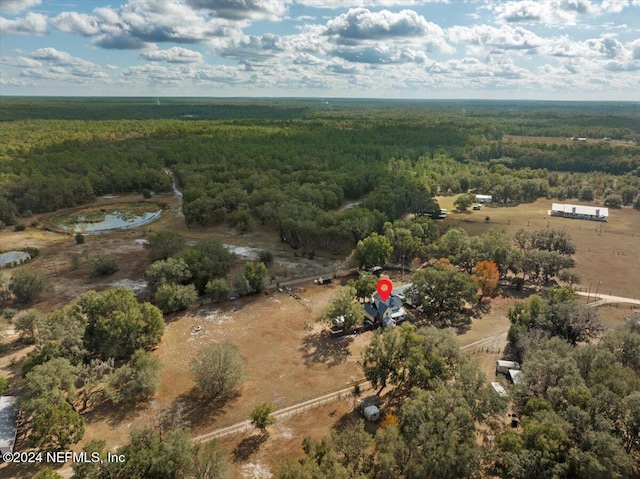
499 389
8 423
371 413
370 408
515 375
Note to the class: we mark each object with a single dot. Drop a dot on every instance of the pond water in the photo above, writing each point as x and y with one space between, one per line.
14 257
114 220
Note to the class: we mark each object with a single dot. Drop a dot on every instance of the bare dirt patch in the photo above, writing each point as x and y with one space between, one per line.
287 361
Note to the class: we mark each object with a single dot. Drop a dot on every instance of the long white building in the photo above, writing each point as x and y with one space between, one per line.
594 213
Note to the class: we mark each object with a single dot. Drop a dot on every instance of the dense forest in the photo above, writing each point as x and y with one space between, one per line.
292 164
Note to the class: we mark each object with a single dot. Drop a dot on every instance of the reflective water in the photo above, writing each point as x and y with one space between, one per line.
14 257
115 220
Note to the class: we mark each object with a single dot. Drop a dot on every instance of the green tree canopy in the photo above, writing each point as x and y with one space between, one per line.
374 250
343 305
117 324
208 260
441 292
136 381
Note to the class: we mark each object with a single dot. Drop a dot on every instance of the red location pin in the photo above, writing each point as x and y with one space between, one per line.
384 288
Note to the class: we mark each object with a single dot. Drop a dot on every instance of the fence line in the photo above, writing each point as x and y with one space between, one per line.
286 413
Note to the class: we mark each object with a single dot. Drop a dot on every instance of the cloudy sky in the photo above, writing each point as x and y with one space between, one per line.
530 49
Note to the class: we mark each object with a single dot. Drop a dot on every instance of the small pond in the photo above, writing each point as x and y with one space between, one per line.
95 222
14 257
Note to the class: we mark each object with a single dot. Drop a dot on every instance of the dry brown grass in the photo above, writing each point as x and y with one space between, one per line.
608 253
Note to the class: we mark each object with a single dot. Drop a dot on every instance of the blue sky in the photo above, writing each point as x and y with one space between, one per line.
524 49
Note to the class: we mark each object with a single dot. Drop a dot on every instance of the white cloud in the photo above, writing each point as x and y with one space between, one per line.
13 7
252 47
30 24
548 12
141 23
334 4
242 9
384 37
362 24
497 39
73 22
607 46
20 62
173 55
55 59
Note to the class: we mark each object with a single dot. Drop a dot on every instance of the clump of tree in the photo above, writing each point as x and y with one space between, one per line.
561 315
442 292
464 202
365 285
168 271
343 306
28 284
218 289
218 371
208 260
407 357
254 274
47 404
152 455
117 324
440 412
486 275
579 410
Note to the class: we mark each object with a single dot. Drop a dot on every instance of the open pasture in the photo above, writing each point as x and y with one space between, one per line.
607 254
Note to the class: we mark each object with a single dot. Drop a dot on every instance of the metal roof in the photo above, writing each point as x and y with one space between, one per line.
580 209
8 422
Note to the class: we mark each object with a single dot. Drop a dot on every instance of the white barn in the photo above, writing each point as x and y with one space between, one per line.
484 198
594 213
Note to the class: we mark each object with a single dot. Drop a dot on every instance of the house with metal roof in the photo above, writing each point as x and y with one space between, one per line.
593 213
387 313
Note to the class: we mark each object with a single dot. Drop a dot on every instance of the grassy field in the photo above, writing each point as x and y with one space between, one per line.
607 253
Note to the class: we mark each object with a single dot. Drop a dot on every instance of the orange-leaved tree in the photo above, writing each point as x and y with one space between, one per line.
486 275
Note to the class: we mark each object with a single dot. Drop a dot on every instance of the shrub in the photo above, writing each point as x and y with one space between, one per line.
79 238
104 265
261 416
218 370
175 297
218 289
28 284
146 193
19 227
265 257
4 385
